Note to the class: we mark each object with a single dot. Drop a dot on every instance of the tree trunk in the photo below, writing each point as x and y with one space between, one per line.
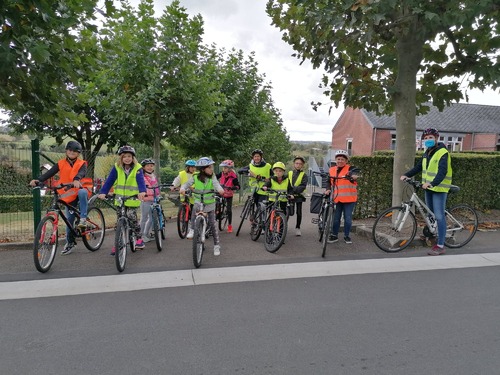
410 52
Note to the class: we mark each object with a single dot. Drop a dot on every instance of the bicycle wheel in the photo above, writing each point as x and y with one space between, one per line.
156 227
322 216
121 241
93 235
244 213
461 225
394 229
275 232
223 216
328 215
183 221
198 245
257 224
45 244
163 228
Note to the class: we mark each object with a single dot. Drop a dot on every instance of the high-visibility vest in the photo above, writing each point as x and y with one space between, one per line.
184 177
430 171
282 187
206 188
67 174
346 191
126 186
264 172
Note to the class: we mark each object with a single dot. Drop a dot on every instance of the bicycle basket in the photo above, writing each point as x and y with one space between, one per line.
316 201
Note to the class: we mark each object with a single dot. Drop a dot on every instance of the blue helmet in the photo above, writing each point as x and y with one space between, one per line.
190 163
204 162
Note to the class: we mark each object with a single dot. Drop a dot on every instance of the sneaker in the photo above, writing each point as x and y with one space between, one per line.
113 251
68 248
82 223
347 239
332 238
436 250
217 250
298 232
229 228
190 234
139 245
147 239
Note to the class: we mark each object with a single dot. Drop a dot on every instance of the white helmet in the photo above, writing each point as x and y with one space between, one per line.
343 153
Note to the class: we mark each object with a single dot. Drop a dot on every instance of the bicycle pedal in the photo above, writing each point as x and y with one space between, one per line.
315 220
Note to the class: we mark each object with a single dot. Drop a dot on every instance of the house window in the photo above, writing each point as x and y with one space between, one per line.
349 147
454 144
393 142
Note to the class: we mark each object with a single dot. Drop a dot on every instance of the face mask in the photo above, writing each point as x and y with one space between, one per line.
429 143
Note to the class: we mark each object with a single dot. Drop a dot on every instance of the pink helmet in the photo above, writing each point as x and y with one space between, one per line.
227 163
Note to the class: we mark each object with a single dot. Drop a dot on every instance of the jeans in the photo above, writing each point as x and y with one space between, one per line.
437 203
343 208
83 203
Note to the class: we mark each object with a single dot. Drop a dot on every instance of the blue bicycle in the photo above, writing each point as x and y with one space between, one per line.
158 218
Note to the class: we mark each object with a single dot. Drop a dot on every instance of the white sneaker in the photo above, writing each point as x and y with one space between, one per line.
217 250
297 232
190 234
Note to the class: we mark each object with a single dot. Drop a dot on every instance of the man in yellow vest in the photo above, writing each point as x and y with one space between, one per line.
259 172
436 181
298 181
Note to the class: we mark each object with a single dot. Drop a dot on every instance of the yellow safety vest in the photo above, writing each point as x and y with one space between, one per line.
430 171
281 187
264 172
126 186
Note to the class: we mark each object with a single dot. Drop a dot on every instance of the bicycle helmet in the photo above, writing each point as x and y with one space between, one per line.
227 163
147 161
431 131
257 151
343 153
299 158
190 163
204 162
279 165
74 146
126 148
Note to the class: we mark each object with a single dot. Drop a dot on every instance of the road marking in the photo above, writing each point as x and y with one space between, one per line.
170 279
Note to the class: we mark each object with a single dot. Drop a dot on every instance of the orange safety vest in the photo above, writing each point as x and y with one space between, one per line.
67 174
347 191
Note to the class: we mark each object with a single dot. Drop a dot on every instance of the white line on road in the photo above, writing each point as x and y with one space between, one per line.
169 279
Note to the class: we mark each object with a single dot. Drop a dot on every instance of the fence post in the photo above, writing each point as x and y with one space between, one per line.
35 171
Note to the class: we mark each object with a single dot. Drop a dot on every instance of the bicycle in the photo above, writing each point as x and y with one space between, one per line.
270 218
395 228
248 210
47 232
221 214
158 218
201 233
124 236
184 215
325 216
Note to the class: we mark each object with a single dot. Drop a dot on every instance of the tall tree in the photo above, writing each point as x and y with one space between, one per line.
395 56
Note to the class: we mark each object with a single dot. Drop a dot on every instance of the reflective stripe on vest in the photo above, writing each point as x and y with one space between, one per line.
430 172
346 191
126 186
264 171
207 189
67 174
281 187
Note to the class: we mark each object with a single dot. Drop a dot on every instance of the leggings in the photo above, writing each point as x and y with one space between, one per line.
229 202
298 212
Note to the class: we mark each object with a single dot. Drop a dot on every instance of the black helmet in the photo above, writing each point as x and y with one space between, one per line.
126 148
299 158
257 151
74 146
147 161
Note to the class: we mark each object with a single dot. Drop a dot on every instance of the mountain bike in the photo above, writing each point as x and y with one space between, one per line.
201 233
325 216
124 236
221 215
47 231
248 211
184 214
158 217
395 228
271 219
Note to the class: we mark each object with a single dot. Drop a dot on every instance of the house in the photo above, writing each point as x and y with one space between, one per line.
462 127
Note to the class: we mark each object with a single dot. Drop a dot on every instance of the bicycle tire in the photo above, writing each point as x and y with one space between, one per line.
93 235
326 230
182 221
163 226
321 222
467 220
385 233
275 232
156 228
223 217
257 224
198 245
45 244
121 241
244 213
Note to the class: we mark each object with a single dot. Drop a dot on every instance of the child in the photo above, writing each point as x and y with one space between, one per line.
127 173
148 166
184 175
229 182
298 181
71 169
279 183
204 183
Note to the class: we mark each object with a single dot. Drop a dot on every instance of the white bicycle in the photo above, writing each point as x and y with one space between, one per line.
396 227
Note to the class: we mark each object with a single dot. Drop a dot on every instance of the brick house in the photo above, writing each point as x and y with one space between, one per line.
462 127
